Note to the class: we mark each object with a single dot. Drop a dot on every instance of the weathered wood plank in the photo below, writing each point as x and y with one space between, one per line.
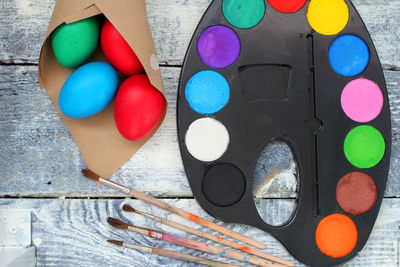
39 158
73 232
173 23
36 148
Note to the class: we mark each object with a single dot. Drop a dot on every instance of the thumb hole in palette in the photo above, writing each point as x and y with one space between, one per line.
275 177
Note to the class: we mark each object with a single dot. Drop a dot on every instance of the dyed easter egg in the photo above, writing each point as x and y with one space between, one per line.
88 90
138 107
75 43
118 51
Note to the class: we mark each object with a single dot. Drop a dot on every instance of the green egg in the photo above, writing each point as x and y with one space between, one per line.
75 43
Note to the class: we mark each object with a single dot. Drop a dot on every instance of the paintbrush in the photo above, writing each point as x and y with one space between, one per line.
211 237
158 203
190 243
173 254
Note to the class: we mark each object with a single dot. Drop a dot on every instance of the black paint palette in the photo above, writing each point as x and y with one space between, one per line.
306 73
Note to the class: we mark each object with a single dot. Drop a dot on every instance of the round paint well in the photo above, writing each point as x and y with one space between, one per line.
207 139
243 14
328 17
349 55
207 92
223 184
287 6
362 100
364 147
356 193
218 46
336 235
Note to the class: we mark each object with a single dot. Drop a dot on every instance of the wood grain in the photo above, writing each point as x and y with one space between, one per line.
36 148
39 160
73 232
173 23
40 157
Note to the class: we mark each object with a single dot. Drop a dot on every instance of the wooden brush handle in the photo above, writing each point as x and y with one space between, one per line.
194 218
227 253
190 258
226 242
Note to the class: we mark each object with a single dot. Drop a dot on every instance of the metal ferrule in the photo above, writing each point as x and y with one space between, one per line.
156 235
157 219
115 185
139 230
145 249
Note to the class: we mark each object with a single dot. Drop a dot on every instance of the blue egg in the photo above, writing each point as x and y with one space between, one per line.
349 55
88 90
207 92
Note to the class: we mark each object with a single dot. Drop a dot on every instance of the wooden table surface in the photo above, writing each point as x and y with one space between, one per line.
40 164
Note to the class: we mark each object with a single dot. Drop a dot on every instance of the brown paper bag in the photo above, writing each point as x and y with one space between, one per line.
97 137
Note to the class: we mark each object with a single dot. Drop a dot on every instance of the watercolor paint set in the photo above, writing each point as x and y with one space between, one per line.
306 73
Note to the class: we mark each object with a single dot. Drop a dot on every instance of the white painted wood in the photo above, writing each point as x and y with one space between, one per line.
73 232
38 157
36 148
173 23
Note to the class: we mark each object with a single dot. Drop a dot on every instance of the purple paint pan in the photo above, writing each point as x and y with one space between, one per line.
218 46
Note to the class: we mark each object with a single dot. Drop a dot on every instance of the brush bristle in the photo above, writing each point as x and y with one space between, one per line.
89 174
117 223
116 242
128 208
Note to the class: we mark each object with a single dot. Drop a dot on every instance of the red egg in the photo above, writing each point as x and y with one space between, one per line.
138 107
118 52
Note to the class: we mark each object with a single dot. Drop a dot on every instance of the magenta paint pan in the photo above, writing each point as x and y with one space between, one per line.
256 71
